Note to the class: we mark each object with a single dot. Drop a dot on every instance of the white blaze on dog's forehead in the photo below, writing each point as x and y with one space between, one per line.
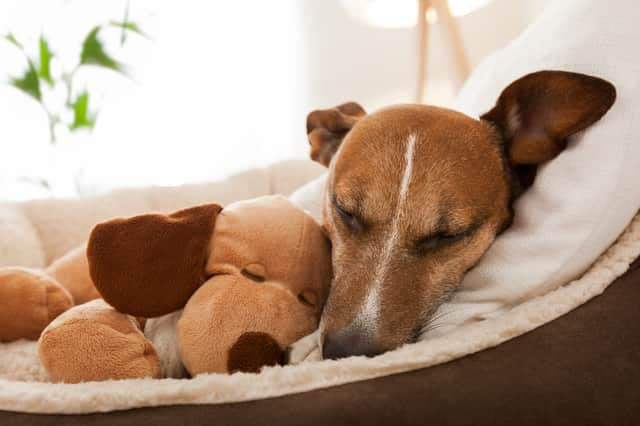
368 316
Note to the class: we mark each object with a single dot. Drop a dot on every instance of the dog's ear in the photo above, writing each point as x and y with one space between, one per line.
327 127
150 265
538 112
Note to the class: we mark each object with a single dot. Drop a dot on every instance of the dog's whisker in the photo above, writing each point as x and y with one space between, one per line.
435 322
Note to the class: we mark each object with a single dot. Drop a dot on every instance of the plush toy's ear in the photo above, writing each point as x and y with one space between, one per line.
538 112
150 265
326 128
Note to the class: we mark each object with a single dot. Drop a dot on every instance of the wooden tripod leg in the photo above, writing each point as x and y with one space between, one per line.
423 32
450 24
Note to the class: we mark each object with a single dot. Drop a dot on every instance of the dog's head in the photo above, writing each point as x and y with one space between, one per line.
416 195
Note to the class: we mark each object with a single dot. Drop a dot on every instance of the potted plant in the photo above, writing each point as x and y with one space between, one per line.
70 111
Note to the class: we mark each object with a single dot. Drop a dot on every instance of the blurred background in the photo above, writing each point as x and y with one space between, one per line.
96 95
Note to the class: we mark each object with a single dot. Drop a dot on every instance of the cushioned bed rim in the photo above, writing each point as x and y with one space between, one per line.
38 397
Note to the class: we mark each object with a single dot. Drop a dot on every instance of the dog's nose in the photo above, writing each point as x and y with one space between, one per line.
350 342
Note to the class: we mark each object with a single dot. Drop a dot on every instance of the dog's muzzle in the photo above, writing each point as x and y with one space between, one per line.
351 341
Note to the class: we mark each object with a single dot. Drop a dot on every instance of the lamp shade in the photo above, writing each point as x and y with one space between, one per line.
400 13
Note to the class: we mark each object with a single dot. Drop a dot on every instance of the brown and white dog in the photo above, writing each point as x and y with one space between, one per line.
416 194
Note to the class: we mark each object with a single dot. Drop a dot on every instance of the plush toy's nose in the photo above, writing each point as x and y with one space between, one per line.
351 341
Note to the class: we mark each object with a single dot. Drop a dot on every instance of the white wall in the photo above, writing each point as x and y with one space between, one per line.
222 85
350 61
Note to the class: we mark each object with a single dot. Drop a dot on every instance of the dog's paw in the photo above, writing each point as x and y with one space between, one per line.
305 349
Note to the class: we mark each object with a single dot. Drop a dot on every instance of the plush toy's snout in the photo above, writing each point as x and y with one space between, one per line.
233 324
252 351
270 271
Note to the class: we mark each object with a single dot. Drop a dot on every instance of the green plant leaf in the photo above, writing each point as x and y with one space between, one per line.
45 61
127 26
29 82
12 39
82 117
93 52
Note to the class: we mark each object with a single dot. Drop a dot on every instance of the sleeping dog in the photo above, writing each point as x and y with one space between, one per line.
415 195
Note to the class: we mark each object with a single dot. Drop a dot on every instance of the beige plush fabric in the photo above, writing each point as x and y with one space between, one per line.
22 386
20 243
94 342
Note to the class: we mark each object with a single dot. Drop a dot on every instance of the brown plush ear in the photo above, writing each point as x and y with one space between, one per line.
326 128
252 351
150 265
538 112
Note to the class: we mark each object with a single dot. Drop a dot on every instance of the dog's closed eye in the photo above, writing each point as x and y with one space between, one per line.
350 219
439 240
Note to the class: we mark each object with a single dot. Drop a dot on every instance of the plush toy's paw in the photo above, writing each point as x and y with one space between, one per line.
94 342
305 349
29 301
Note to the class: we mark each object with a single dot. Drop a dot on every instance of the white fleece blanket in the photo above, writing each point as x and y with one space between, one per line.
22 386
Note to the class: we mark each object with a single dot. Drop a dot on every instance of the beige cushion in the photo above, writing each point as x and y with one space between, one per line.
19 240
35 233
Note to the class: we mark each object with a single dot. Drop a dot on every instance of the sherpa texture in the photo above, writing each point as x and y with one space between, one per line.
18 360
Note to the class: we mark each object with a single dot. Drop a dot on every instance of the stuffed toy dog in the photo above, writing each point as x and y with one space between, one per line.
226 290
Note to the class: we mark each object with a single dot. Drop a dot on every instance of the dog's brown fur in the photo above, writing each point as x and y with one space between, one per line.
410 246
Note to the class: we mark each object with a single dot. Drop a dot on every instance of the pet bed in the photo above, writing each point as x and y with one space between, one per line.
572 362
538 378
23 386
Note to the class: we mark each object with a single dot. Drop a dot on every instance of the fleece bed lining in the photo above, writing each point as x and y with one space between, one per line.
23 385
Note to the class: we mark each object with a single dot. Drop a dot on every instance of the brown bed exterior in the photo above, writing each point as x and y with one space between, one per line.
581 369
